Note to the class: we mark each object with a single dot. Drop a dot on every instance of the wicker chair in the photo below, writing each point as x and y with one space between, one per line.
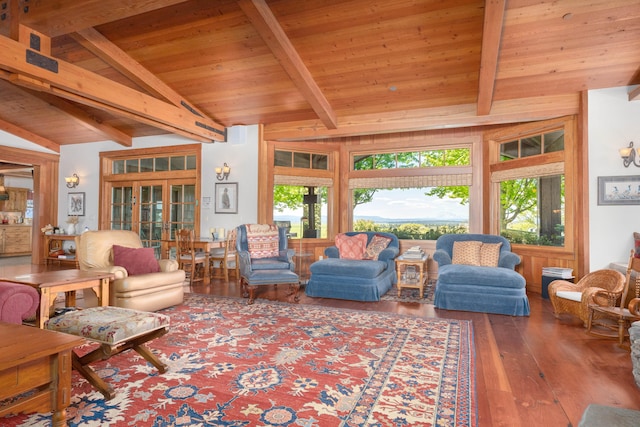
609 316
574 298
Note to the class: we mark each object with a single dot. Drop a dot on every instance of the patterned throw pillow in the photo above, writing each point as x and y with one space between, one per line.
636 244
263 240
377 244
351 247
466 252
490 254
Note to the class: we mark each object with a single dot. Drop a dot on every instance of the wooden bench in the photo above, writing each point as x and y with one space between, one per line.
116 330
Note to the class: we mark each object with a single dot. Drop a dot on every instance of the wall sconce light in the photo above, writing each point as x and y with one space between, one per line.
223 172
72 181
628 155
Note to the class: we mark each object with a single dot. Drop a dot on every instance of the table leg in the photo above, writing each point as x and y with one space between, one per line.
104 292
207 278
70 298
45 306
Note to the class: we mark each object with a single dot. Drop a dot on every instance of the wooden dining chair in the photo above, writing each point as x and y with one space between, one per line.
610 316
226 258
189 260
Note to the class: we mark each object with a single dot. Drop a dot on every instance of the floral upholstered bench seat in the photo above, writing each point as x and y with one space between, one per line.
116 330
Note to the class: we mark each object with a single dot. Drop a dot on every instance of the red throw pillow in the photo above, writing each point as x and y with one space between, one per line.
135 260
351 247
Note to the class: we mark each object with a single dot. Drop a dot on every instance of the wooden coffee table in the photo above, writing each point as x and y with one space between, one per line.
39 361
50 283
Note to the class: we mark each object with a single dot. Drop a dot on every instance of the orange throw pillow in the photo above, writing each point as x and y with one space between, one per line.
466 252
351 247
490 254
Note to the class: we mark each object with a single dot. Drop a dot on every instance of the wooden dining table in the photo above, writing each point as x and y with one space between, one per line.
202 244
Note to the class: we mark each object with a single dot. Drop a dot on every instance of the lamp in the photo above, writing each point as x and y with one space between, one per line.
72 181
628 155
223 172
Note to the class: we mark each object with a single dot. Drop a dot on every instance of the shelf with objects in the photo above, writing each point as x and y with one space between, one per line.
412 270
57 249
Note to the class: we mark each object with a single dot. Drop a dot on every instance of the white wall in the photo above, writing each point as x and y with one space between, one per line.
241 154
613 121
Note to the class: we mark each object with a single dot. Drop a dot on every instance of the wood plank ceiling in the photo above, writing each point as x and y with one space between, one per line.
75 72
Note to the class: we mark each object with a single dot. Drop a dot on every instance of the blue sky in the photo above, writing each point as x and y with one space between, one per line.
411 203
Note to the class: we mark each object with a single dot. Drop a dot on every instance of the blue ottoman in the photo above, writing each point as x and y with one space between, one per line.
256 278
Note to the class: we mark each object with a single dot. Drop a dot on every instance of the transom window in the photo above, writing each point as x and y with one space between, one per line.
154 164
293 159
412 159
532 145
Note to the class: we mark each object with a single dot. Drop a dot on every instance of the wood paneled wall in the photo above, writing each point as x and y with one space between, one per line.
481 221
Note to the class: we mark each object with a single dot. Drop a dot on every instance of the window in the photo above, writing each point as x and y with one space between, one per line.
302 208
412 159
412 213
532 210
414 194
532 192
294 159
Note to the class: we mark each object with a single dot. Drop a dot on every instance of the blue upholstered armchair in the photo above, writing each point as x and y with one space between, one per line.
488 289
263 261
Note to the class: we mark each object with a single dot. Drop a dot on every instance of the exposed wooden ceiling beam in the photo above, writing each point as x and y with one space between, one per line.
85 119
458 116
104 49
29 136
491 35
274 36
634 95
58 17
75 83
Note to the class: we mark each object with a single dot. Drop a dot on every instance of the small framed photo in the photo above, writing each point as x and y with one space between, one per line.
619 190
75 204
226 197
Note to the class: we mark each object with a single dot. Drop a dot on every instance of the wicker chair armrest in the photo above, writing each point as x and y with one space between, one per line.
634 306
564 285
601 297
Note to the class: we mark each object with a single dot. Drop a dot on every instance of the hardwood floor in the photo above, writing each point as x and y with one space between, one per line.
530 371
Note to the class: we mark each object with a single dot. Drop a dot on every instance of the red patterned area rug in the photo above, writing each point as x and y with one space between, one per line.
278 364
411 294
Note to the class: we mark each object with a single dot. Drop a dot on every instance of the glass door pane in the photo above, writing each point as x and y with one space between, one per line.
122 208
151 214
183 207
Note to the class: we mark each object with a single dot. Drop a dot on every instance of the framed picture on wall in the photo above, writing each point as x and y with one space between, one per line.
226 197
619 190
75 204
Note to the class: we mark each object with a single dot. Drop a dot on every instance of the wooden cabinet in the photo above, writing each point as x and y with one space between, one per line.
15 240
17 200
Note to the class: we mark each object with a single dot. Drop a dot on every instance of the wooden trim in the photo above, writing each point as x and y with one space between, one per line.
45 190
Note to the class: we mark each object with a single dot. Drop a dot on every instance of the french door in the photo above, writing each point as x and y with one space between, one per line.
154 209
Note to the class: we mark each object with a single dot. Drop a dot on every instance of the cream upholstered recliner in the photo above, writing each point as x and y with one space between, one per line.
146 292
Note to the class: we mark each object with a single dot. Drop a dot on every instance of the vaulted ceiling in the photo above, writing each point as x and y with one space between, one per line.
74 72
